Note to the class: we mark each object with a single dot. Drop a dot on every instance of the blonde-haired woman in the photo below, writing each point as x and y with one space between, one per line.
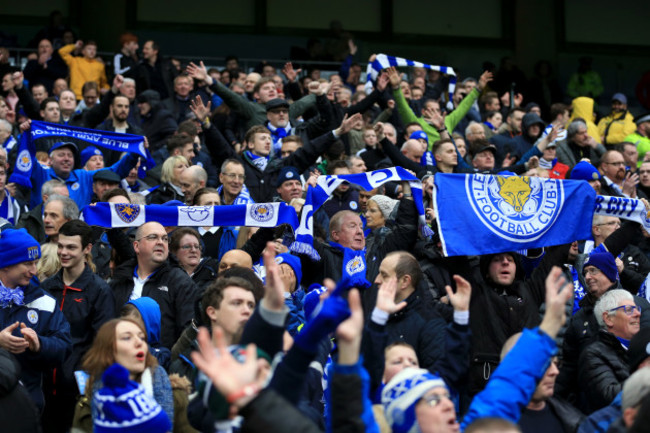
170 178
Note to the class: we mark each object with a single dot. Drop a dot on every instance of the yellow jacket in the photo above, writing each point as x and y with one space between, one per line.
583 107
622 125
83 70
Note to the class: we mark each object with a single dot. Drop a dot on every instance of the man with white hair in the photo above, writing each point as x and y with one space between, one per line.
603 365
6 139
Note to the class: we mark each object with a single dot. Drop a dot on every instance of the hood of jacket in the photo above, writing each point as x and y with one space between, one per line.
150 96
484 266
150 312
583 107
531 119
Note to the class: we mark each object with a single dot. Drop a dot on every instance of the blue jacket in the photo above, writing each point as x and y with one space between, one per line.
513 383
599 421
150 312
80 181
86 304
41 313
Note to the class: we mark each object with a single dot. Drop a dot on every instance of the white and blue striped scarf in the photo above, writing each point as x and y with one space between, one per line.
304 243
258 161
383 61
244 197
111 215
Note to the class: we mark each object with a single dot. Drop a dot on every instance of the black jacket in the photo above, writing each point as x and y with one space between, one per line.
170 287
497 312
164 193
112 156
32 221
17 410
87 304
159 123
566 414
37 74
582 331
603 369
442 349
261 184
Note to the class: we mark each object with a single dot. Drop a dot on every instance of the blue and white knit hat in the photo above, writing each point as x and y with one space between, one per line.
123 406
402 393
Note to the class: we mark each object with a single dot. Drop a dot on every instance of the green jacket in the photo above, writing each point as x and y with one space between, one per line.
253 112
642 145
451 120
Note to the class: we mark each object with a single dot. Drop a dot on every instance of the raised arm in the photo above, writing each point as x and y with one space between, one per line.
241 105
514 381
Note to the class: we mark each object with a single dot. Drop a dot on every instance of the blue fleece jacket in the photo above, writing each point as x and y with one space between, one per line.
150 312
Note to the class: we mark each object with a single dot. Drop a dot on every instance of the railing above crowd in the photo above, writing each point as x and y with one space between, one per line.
19 56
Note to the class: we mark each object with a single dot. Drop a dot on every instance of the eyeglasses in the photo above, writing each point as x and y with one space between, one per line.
155 238
281 111
434 400
232 176
592 271
191 247
611 223
627 309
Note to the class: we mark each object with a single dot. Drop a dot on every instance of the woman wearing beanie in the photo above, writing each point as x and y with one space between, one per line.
124 341
379 211
392 227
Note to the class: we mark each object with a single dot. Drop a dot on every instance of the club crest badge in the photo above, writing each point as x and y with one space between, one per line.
519 209
32 316
355 266
261 212
197 213
127 212
24 161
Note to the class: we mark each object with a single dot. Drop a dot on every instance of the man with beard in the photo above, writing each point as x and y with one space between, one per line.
615 181
120 108
619 124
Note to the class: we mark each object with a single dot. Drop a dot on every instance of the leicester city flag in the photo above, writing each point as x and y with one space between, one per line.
484 214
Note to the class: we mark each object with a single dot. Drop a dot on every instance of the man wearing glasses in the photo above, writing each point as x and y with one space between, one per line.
615 181
232 189
601 275
150 274
604 363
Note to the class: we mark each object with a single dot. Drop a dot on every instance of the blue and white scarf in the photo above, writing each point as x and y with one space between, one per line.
277 134
382 61
304 243
244 197
106 139
9 143
427 159
353 272
9 297
258 161
7 209
229 234
112 215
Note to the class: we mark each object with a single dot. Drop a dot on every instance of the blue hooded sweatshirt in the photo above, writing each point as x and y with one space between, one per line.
150 312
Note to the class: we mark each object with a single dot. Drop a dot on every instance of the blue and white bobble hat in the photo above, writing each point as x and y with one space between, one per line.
123 406
401 395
